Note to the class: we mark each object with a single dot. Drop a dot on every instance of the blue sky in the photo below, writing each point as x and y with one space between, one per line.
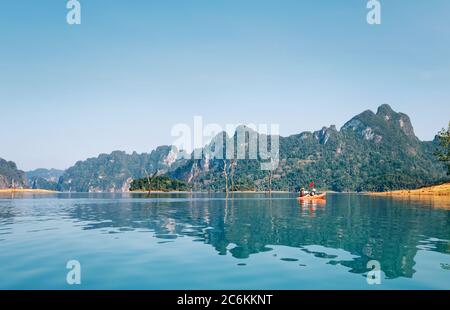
133 69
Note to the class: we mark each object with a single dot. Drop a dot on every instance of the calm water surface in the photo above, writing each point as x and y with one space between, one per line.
203 241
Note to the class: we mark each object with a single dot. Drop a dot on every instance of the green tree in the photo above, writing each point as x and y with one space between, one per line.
443 153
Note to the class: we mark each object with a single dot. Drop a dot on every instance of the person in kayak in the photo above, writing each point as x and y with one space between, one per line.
302 192
313 192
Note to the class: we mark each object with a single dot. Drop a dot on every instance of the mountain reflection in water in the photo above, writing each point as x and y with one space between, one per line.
369 228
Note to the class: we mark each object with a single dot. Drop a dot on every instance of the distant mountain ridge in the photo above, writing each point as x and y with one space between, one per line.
44 178
371 152
114 172
51 175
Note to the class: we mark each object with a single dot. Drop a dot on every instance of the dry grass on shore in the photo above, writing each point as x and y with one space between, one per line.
436 190
25 190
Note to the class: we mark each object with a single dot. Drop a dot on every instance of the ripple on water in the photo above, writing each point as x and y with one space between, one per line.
164 242
166 236
287 259
126 229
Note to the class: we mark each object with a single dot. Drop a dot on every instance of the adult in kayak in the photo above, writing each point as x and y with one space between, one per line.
312 195
302 192
305 193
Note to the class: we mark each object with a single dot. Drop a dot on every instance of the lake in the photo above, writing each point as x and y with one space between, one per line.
204 241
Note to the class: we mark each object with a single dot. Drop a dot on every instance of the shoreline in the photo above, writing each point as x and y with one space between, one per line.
206 192
44 191
25 190
442 190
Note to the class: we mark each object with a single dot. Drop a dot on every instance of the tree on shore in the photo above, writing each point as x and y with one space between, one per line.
225 174
443 153
149 180
233 165
270 181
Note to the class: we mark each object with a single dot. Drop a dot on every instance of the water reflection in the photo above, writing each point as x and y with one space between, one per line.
348 230
383 229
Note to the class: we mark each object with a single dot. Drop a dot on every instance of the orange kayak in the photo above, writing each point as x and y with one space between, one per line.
312 198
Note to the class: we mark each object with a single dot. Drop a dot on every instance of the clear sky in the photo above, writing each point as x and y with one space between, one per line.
133 69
